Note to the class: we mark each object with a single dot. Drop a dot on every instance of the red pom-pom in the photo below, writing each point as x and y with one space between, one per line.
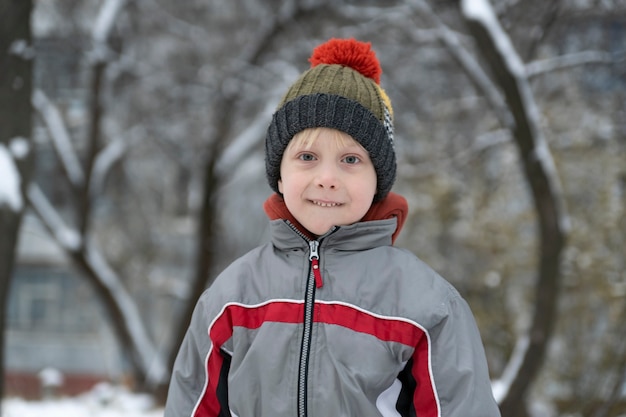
350 53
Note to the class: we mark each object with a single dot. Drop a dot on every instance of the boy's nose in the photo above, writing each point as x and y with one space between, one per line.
327 178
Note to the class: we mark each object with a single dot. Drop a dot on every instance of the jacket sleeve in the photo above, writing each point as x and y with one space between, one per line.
198 386
458 383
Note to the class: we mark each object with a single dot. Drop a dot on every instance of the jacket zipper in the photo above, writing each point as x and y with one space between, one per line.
309 306
314 257
314 281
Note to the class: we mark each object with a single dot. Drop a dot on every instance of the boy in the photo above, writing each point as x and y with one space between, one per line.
329 319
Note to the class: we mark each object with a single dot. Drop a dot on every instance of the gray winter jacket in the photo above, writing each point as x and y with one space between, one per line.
347 325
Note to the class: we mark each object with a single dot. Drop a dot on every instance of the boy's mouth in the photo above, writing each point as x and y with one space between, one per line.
325 203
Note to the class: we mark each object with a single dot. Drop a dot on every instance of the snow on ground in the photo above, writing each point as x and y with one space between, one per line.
103 401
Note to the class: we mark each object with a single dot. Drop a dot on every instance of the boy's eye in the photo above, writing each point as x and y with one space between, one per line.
352 159
306 157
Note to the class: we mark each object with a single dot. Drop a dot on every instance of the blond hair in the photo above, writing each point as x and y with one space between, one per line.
307 137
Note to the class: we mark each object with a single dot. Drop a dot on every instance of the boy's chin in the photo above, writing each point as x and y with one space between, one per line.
319 230
318 233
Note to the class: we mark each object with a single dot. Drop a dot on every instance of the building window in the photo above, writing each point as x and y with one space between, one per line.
50 299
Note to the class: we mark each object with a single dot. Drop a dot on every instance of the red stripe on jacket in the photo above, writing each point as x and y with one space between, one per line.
388 329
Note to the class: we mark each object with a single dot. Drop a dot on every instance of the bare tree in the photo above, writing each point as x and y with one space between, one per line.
537 163
16 55
511 98
84 179
507 91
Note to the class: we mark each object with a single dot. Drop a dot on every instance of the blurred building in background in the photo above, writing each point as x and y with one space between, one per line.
54 322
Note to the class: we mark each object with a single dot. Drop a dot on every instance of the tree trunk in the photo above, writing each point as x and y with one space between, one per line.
541 176
16 53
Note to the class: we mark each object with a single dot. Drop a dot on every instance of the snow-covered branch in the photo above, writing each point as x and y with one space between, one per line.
173 24
245 142
60 138
89 257
21 48
510 75
77 242
151 360
521 96
368 14
10 181
502 385
69 239
104 161
109 11
467 62
567 61
434 165
101 31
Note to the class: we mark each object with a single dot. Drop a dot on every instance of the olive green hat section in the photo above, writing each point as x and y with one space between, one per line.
342 81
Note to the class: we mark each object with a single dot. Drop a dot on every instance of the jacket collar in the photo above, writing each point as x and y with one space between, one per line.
393 207
355 237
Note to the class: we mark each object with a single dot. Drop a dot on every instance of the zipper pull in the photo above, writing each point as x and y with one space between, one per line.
315 265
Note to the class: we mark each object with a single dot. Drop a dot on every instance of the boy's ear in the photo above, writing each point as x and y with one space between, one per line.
280 186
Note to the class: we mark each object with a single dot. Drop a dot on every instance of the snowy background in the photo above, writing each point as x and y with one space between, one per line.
103 401
177 96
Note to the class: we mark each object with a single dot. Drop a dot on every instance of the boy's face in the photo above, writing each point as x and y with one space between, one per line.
328 182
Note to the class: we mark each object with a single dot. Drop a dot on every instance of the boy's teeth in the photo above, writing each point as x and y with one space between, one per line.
325 204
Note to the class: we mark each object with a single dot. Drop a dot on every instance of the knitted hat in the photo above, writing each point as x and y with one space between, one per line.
341 91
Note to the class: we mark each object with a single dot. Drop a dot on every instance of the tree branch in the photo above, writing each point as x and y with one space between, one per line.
466 61
124 315
509 73
121 307
104 162
535 68
61 141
